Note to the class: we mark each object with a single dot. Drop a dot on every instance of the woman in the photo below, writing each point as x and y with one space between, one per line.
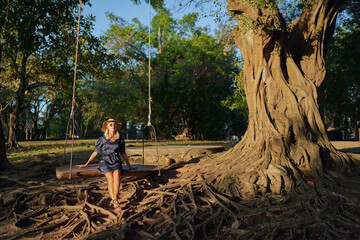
112 146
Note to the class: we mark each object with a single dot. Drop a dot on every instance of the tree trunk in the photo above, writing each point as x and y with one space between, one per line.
285 146
159 38
4 162
355 127
14 116
19 100
49 114
43 131
85 131
12 130
35 130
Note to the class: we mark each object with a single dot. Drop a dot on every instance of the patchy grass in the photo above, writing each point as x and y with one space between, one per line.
82 148
91 142
31 152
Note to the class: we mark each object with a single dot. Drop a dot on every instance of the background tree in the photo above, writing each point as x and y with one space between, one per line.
32 38
4 162
4 12
192 73
193 76
129 43
342 96
239 110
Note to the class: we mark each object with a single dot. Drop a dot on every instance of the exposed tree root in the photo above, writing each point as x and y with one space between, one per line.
182 209
253 169
180 205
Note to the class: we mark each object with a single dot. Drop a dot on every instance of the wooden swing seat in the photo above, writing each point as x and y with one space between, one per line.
91 170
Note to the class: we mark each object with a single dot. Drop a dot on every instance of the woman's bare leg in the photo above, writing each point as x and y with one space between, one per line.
110 178
116 176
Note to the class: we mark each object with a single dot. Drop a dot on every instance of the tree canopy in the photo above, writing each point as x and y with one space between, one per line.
112 75
191 74
342 83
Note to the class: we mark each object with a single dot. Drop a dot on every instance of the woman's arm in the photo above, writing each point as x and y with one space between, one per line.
125 157
93 155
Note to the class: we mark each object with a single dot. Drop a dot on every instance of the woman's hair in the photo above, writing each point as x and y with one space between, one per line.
108 134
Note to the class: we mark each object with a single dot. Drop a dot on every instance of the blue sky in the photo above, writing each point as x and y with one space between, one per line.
127 10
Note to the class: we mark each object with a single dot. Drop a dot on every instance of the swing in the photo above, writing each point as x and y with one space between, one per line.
71 171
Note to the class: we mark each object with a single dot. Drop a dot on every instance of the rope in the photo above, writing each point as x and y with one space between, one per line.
157 151
149 116
72 114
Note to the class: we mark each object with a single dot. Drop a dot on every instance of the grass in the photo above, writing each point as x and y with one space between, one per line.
31 152
82 148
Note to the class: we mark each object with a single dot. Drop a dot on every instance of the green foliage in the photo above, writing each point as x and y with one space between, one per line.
188 23
247 23
156 4
191 75
288 9
35 26
39 51
192 72
342 84
237 101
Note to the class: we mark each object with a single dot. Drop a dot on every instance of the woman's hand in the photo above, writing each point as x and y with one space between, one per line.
93 155
132 168
82 165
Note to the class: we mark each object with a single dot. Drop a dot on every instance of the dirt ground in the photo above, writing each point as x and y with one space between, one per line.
347 146
176 205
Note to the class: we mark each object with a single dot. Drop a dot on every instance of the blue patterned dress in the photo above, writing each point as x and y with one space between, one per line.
111 151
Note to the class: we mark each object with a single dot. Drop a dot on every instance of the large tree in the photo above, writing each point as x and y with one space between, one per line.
192 76
285 146
4 162
32 37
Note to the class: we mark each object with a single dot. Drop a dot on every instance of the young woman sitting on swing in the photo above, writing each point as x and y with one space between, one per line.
112 145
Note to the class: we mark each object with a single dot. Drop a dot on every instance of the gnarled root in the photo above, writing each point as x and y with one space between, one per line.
187 208
260 167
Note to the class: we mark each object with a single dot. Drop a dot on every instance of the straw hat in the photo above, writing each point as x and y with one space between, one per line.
118 124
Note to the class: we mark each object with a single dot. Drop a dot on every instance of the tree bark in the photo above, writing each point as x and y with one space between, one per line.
19 100
49 114
285 145
355 123
4 162
35 130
